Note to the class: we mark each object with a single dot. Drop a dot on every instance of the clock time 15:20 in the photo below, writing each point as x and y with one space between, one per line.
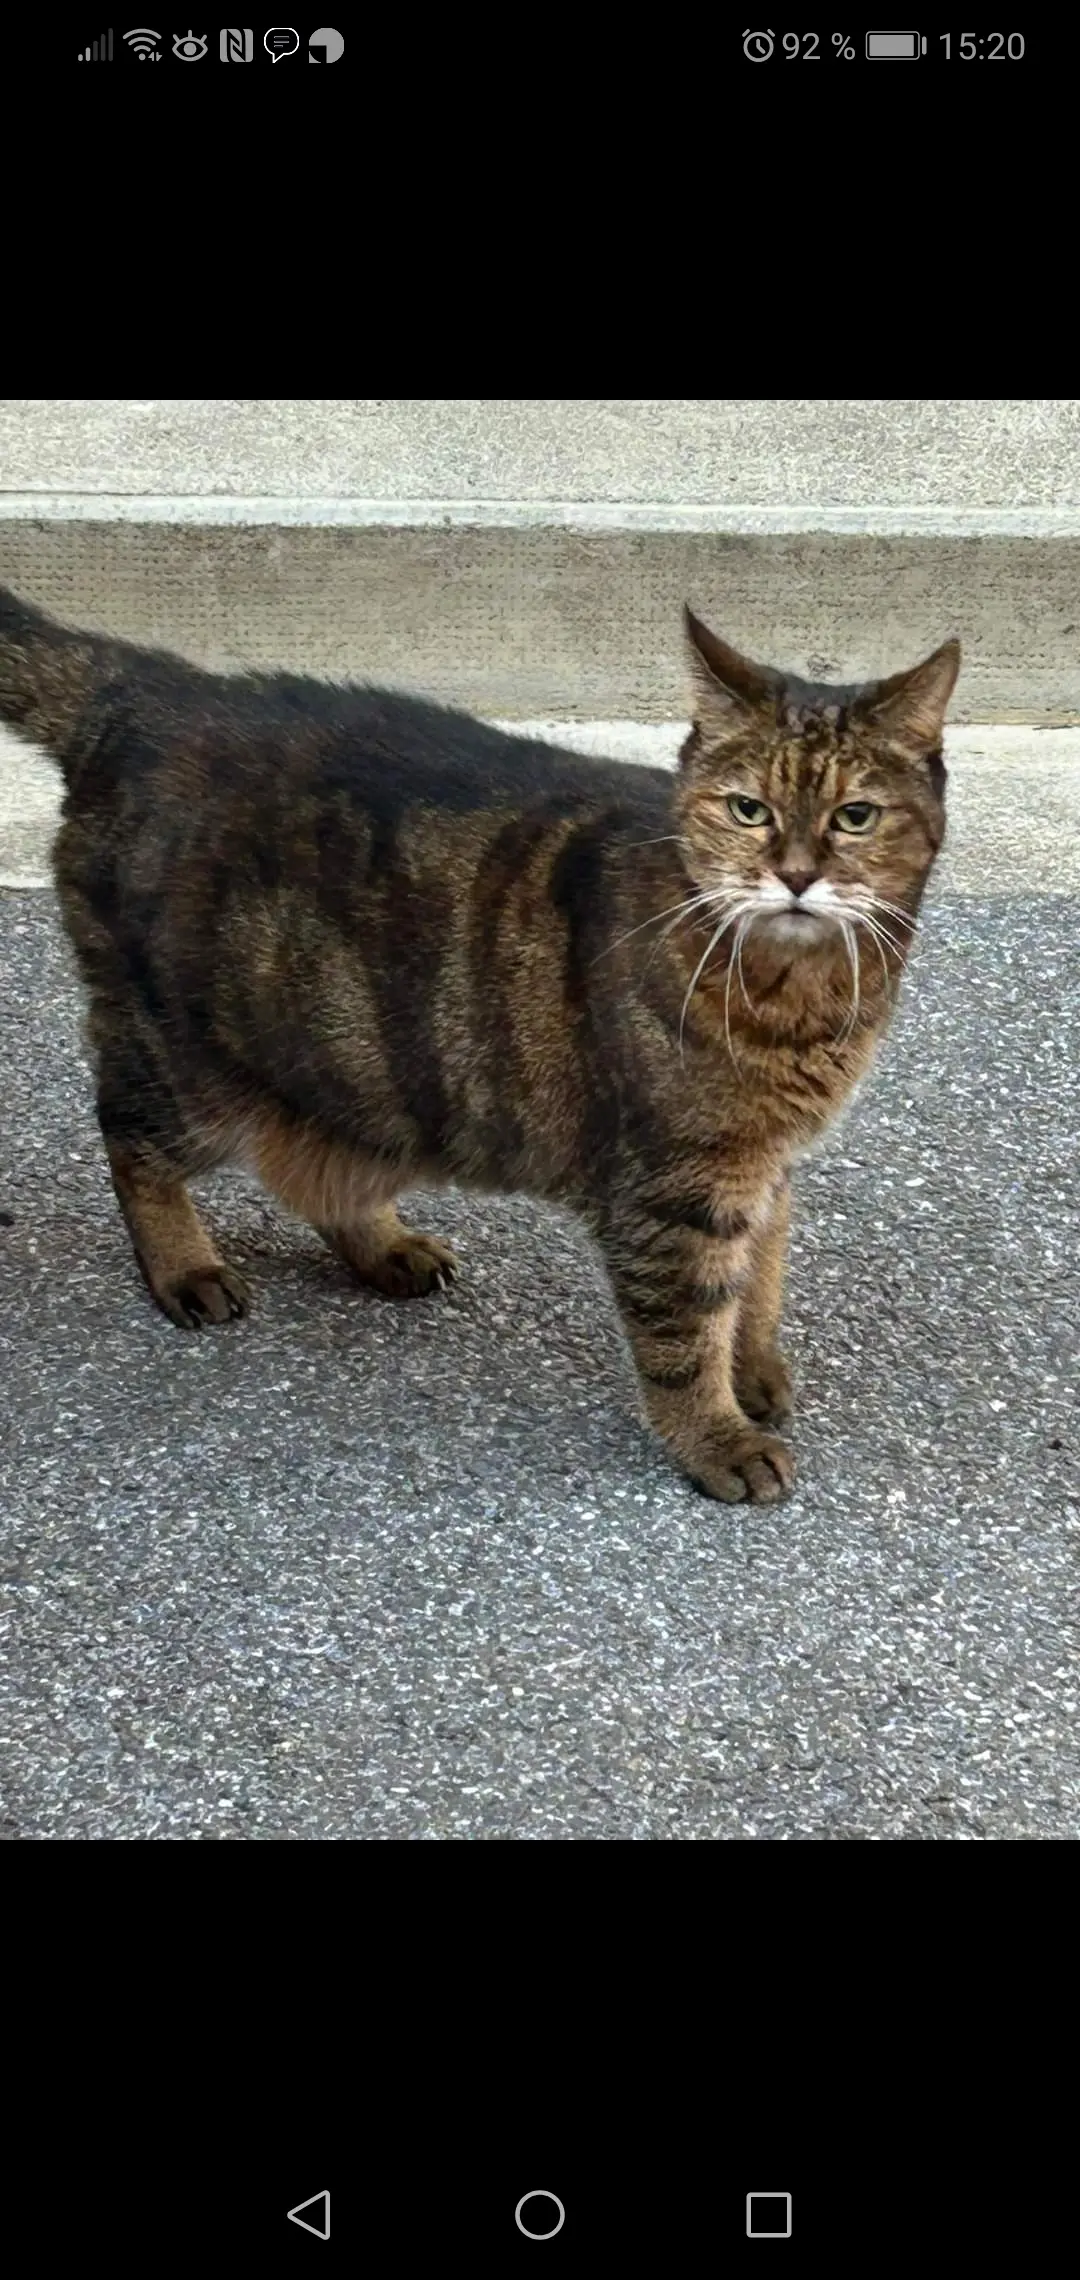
985 47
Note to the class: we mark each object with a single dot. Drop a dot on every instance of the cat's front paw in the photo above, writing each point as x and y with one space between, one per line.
741 1466
203 1295
763 1387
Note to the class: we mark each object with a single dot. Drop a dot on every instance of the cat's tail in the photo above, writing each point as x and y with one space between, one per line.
49 678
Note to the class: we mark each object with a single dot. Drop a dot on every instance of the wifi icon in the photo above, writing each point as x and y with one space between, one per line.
144 44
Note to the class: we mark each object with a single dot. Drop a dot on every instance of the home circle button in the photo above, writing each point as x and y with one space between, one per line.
540 2216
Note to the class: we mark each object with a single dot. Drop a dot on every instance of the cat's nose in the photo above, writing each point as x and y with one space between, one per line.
798 881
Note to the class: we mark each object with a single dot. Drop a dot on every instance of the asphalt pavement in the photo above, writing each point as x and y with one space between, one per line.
351 1569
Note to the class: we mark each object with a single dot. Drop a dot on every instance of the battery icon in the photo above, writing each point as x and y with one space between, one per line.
894 47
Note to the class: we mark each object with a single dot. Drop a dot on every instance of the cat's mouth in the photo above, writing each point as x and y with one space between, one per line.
795 925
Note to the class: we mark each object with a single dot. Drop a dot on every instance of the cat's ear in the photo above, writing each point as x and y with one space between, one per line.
911 706
726 688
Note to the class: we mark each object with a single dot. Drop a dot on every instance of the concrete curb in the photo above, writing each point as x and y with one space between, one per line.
709 518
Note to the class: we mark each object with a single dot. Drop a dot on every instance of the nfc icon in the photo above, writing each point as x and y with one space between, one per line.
238 47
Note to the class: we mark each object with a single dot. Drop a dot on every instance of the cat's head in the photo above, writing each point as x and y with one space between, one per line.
804 809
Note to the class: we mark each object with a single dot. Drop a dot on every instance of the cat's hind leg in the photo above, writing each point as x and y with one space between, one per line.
393 1258
152 1150
348 1199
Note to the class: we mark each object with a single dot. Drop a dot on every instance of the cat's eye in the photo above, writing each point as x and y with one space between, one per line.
856 816
748 811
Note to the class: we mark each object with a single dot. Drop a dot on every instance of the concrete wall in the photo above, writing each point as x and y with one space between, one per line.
532 558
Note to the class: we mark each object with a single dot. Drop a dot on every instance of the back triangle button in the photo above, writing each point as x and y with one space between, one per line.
313 2216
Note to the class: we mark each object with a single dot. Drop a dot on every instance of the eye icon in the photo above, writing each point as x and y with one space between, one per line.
189 46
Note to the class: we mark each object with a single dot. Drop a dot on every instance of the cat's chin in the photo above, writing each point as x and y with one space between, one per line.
801 929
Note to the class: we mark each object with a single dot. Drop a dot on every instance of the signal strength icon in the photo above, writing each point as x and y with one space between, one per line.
144 44
99 51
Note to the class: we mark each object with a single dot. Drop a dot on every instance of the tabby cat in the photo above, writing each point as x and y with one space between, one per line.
361 943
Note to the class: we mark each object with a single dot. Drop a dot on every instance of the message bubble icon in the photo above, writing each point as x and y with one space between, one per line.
282 40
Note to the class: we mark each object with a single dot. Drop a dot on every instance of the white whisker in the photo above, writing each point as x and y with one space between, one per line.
703 961
740 938
881 934
852 948
864 917
863 898
716 898
744 923
894 910
689 903
877 936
